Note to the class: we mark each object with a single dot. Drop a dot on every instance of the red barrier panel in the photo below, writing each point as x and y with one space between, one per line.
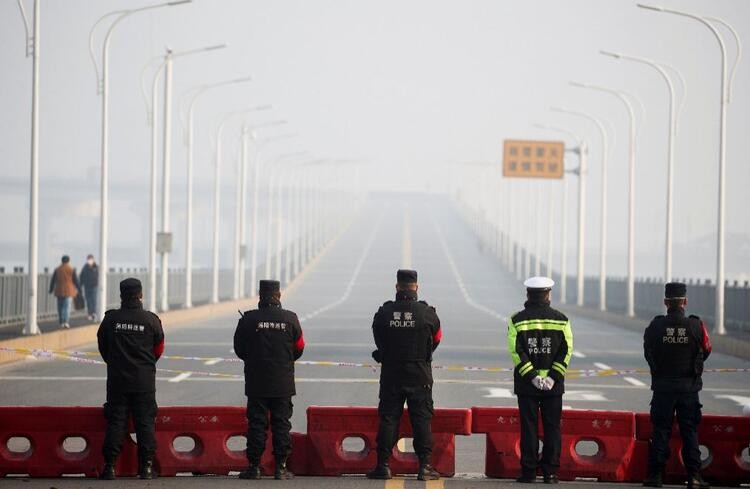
725 437
46 430
610 431
327 427
210 428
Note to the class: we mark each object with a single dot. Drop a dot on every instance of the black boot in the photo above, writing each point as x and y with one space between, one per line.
252 472
653 480
551 479
695 481
108 472
147 470
427 473
381 471
282 473
526 478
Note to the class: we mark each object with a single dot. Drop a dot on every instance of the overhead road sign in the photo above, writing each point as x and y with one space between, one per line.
533 159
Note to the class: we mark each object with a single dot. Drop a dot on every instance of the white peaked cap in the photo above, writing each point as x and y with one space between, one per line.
539 283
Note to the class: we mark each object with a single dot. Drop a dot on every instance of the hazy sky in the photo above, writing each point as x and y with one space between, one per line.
407 85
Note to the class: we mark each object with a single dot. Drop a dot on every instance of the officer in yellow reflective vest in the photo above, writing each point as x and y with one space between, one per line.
540 343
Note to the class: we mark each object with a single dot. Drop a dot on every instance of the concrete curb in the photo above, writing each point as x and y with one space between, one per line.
729 345
65 339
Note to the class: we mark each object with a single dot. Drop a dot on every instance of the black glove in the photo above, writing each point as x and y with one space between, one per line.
377 356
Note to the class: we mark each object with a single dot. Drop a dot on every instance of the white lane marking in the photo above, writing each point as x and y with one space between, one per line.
355 274
180 377
578 354
633 381
602 366
740 400
457 275
500 393
213 361
406 245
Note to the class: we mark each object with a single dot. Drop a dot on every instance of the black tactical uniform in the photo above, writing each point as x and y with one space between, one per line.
540 343
131 340
269 339
406 333
675 347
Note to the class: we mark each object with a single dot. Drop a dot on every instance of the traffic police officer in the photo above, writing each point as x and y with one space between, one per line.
131 340
675 347
406 333
540 343
269 340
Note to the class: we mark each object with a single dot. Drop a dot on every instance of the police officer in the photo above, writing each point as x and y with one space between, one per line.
675 347
540 343
131 340
406 333
269 339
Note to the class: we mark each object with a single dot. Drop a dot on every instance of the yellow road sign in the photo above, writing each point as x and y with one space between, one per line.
533 159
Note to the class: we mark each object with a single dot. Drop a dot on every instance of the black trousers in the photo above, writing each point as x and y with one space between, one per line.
664 405
390 409
142 405
551 409
257 424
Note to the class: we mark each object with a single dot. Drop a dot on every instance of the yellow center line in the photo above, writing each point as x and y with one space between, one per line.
394 484
438 484
406 245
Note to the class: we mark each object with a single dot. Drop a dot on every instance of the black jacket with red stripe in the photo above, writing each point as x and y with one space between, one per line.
675 347
269 339
130 340
406 333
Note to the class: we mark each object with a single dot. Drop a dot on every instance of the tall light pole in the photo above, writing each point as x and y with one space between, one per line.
166 68
33 45
603 226
724 98
239 235
198 92
103 85
217 196
660 68
582 172
624 97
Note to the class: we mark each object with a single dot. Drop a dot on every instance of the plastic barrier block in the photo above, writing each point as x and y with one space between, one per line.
327 428
610 431
46 429
725 437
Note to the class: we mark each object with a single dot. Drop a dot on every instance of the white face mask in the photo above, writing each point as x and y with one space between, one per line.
90 261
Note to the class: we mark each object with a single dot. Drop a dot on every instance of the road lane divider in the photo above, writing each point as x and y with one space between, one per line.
85 357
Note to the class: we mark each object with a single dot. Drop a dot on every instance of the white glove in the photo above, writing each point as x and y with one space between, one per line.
549 383
538 382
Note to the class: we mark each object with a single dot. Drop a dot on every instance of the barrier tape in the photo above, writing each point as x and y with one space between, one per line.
81 357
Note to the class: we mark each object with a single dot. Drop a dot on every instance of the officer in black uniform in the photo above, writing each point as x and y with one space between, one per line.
406 333
675 347
131 340
269 340
540 343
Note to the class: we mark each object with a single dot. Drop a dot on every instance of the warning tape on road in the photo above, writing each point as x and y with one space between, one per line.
84 357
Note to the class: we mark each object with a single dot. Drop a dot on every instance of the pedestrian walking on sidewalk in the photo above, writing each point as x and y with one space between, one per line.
89 283
64 285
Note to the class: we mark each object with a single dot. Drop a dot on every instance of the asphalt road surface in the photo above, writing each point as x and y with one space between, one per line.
336 301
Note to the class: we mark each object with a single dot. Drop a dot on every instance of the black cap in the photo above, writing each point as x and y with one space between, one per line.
406 276
267 287
675 290
130 287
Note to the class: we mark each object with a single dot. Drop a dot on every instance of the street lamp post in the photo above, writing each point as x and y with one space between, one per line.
582 171
724 97
603 227
103 85
33 46
623 96
670 149
199 91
